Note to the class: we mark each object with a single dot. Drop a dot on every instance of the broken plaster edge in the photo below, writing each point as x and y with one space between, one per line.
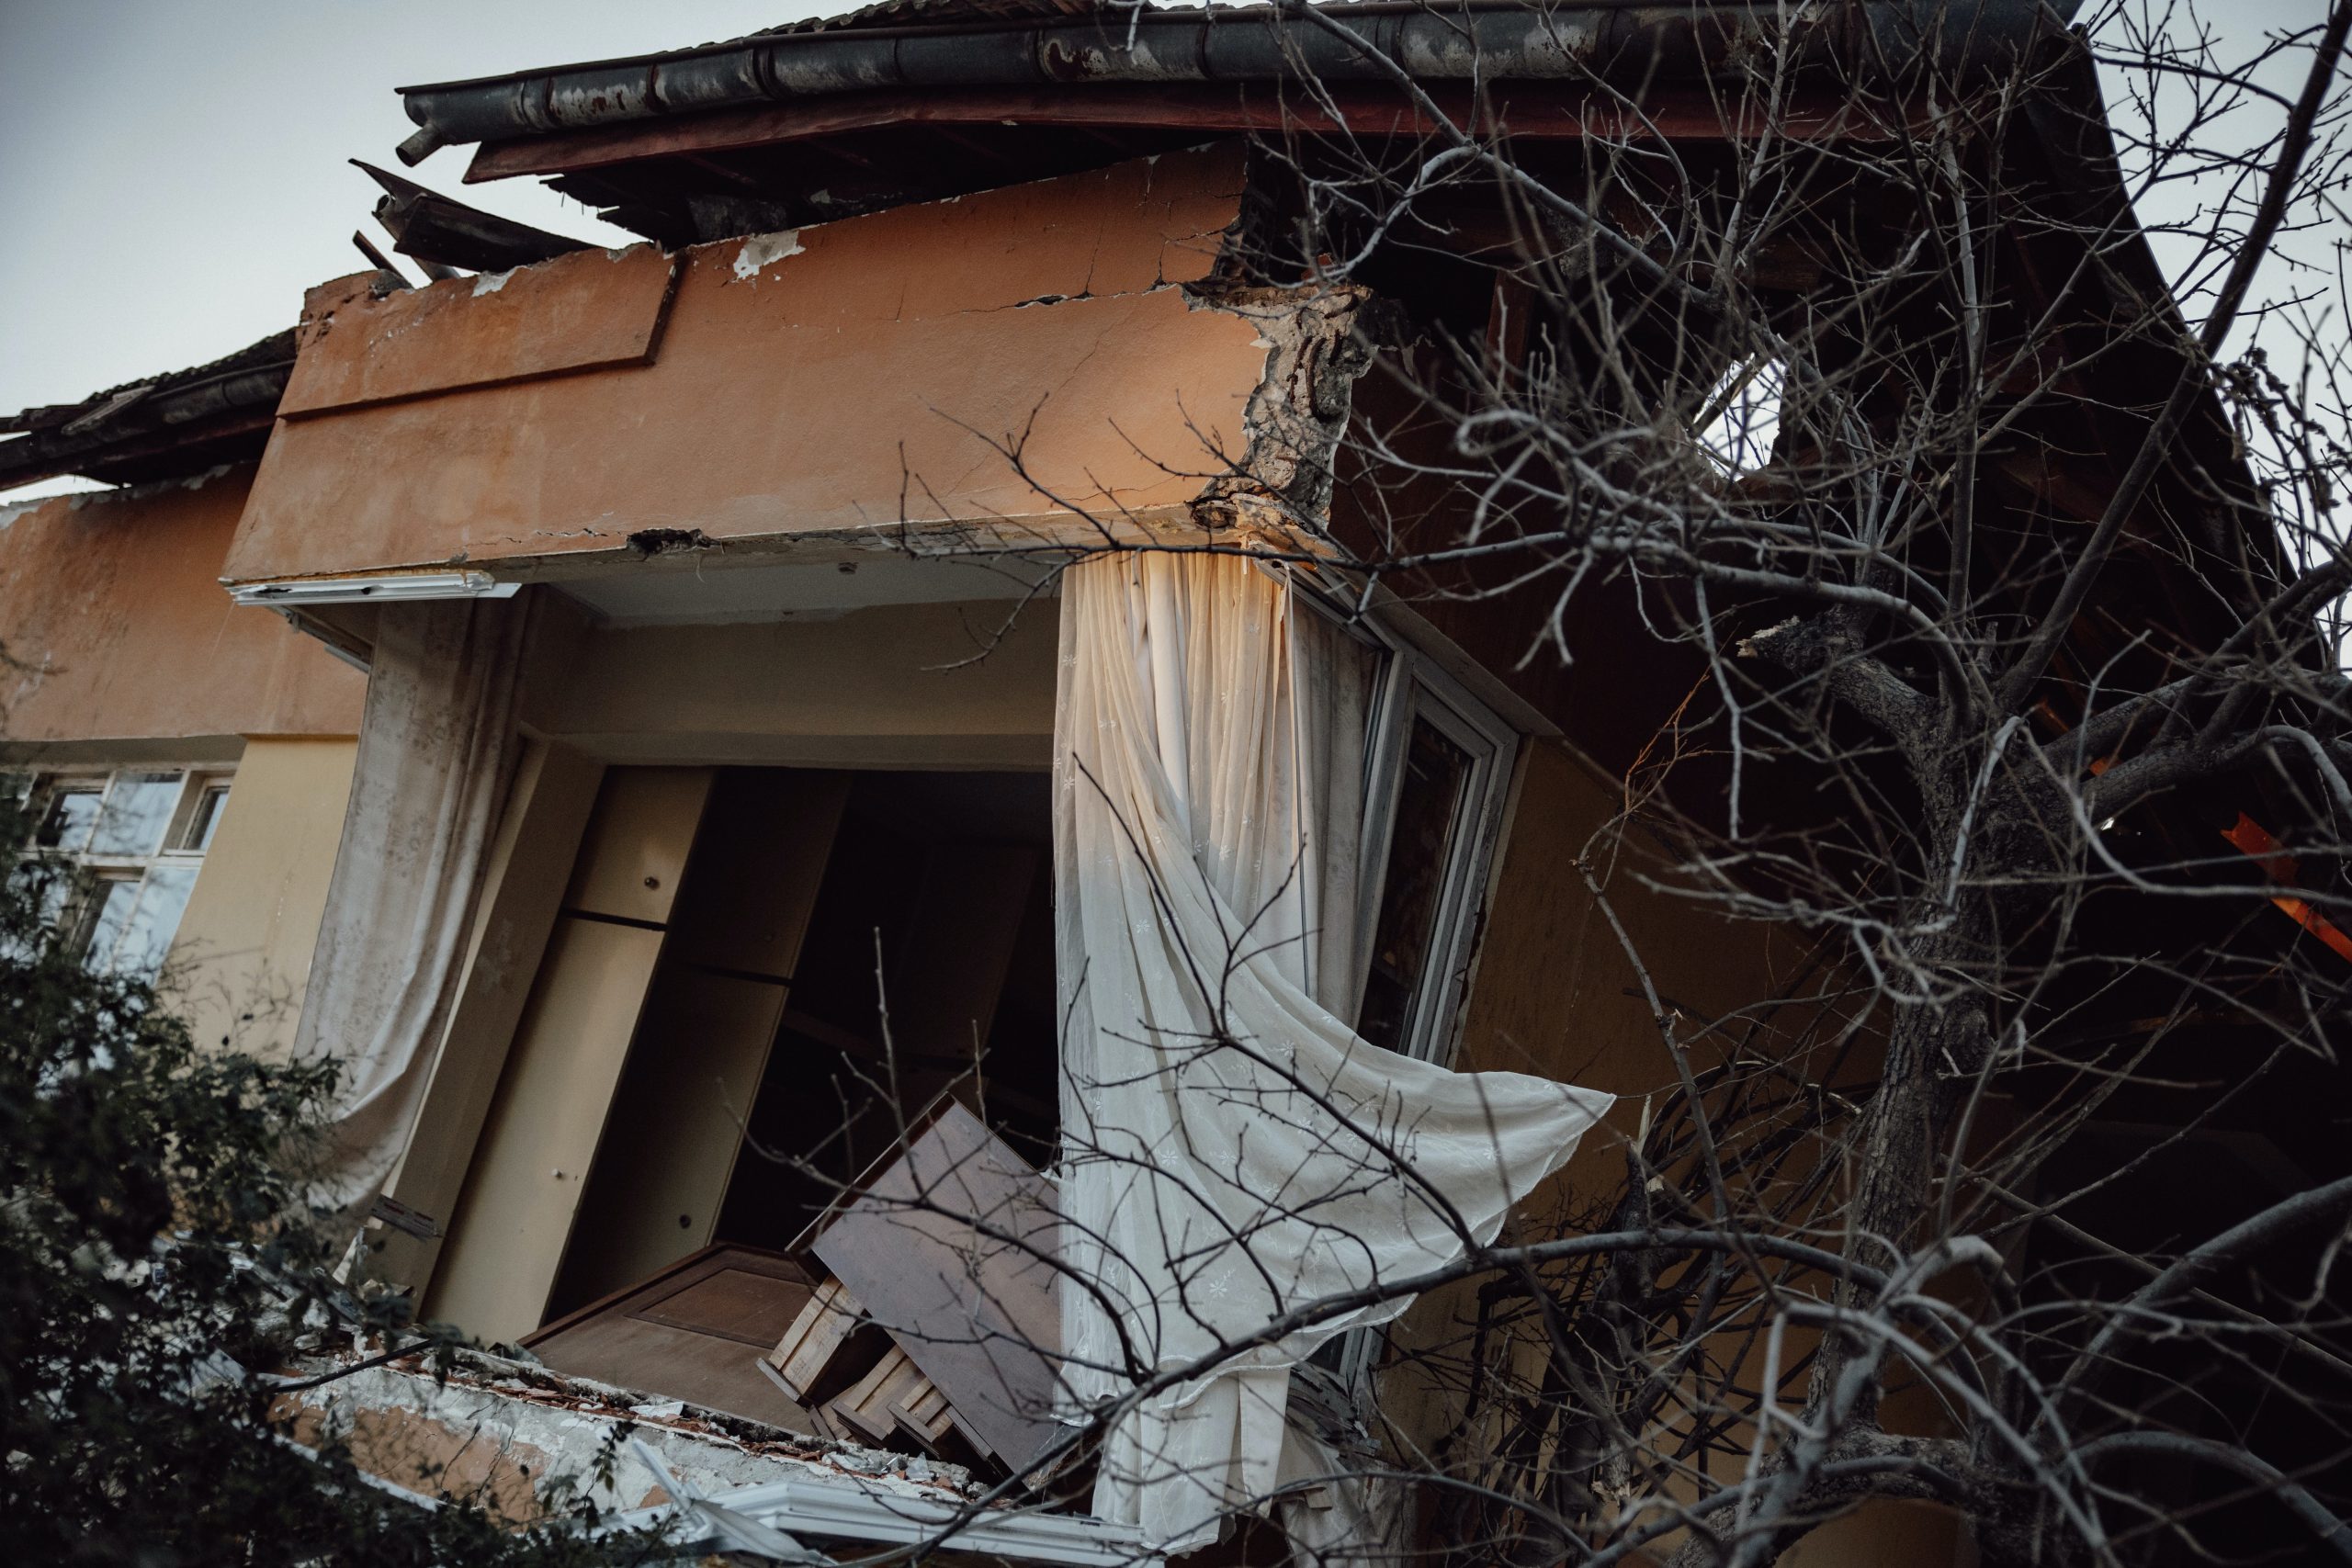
555 1428
1280 490
1061 531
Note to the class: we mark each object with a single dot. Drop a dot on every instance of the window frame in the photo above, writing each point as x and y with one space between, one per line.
1415 689
1412 685
95 872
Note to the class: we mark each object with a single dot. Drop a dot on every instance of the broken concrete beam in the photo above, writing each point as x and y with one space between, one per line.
520 1436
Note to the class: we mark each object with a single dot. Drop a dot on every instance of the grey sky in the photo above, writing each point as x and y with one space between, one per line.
174 169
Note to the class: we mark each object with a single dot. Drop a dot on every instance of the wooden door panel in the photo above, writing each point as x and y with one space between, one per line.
677 1126
508 1235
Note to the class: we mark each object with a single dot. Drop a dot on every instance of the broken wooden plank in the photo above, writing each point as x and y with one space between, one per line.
432 228
950 1246
926 1418
827 1348
868 1407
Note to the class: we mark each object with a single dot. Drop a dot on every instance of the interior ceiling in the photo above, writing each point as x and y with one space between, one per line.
649 594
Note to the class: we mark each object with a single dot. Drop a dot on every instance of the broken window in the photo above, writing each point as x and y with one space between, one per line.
1437 772
748 1024
765 982
121 851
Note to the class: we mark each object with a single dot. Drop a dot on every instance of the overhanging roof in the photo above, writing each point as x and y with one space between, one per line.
162 427
1036 43
919 100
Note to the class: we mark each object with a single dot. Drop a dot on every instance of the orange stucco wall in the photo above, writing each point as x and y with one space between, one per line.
805 383
117 627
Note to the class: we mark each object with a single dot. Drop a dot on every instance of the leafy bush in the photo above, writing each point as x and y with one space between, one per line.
155 1261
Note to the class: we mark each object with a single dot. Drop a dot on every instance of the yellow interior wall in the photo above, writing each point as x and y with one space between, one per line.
1556 994
242 958
899 685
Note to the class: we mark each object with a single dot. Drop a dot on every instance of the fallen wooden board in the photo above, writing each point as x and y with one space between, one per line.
692 1332
948 1247
826 1348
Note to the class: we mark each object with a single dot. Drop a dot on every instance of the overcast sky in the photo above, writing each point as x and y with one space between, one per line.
174 170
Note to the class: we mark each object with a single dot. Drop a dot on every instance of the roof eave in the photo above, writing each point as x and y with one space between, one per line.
1624 42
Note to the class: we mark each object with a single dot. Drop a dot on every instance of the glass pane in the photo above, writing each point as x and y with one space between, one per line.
66 825
1429 799
149 935
116 901
205 818
137 811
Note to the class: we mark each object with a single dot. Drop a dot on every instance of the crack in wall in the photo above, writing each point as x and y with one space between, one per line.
1299 411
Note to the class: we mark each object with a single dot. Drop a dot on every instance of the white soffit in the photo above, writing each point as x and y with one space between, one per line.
659 594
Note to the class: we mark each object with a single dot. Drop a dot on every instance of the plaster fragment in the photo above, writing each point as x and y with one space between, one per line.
491 282
763 251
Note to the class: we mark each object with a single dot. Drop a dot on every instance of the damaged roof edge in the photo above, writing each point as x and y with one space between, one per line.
176 425
1578 40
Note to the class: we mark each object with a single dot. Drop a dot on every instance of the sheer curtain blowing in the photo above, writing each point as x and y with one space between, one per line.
1232 1151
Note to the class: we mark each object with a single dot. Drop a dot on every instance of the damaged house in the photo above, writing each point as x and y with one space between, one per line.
194 757
861 704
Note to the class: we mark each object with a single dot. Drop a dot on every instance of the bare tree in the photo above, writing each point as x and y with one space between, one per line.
1927 481
1985 584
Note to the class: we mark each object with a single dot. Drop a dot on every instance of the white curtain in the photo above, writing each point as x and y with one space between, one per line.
1334 676
1231 1149
437 745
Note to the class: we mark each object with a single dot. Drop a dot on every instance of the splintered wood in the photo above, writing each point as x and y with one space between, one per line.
925 1416
864 1410
935 1328
836 1361
828 1347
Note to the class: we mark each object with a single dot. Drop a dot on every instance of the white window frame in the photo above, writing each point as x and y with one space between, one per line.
1413 686
1416 688
76 919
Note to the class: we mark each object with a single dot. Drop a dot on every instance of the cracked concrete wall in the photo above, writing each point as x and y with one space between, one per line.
1283 480
119 634
824 382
